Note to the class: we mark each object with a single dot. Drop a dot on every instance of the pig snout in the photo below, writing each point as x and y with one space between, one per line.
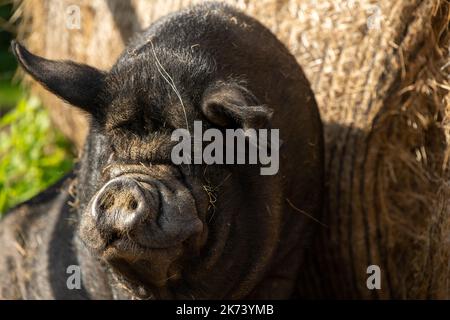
122 204
147 213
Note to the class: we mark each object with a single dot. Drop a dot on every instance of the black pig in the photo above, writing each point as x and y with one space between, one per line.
139 226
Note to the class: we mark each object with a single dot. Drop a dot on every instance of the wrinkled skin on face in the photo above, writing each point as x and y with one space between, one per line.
147 228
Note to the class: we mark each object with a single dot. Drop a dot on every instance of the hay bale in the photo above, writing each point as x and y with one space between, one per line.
380 75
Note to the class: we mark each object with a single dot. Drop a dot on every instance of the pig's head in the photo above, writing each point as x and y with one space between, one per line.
165 230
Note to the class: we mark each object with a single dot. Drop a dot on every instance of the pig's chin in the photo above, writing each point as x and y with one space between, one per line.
142 270
148 273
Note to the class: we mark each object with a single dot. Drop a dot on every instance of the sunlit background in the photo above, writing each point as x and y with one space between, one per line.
33 155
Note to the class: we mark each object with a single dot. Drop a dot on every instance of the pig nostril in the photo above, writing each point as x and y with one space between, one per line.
132 205
106 203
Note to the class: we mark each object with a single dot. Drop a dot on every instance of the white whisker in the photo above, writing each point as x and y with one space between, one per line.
170 82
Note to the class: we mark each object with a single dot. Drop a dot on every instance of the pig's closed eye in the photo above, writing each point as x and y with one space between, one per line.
140 126
136 127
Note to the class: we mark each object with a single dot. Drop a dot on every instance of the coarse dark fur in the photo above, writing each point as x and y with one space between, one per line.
210 63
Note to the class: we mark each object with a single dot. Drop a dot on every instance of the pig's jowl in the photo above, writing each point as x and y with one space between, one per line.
139 226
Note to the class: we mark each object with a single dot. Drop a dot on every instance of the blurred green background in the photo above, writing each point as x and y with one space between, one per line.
33 155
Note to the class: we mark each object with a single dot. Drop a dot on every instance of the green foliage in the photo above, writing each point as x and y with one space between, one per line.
32 154
9 95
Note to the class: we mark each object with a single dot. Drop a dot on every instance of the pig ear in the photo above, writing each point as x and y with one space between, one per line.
232 106
76 83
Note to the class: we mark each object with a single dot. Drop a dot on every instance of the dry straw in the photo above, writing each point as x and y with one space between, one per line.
380 73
